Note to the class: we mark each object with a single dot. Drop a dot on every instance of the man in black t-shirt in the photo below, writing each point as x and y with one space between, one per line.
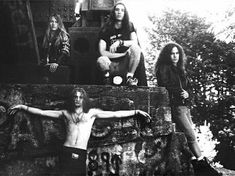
118 46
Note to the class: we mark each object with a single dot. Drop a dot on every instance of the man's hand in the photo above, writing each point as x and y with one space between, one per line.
13 109
53 67
143 118
145 115
184 94
114 46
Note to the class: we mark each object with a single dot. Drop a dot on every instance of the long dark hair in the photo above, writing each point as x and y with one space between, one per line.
61 32
164 57
70 105
112 18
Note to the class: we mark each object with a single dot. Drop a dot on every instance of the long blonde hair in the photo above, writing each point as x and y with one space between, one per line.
62 33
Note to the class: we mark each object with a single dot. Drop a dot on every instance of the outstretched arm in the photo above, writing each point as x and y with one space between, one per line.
37 111
121 114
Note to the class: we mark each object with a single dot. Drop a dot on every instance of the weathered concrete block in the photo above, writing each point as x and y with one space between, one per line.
121 147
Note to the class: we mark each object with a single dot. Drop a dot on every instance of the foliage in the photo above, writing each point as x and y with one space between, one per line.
205 140
211 66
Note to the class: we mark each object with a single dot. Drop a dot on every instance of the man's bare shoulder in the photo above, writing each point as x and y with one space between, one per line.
65 113
93 112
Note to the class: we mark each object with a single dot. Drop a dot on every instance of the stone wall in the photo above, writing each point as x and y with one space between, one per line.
29 144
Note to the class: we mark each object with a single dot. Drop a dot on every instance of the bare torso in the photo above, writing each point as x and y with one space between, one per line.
79 130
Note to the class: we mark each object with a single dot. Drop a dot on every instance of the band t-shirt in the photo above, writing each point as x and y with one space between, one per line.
111 35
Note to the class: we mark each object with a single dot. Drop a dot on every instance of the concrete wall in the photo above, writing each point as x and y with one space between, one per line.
29 144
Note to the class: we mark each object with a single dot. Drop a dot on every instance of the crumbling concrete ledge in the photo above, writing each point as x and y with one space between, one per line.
29 144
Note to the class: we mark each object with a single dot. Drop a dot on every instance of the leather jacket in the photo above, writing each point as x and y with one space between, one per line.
175 82
56 53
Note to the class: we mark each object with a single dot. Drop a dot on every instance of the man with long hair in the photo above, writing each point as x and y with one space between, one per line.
171 73
118 46
79 118
55 46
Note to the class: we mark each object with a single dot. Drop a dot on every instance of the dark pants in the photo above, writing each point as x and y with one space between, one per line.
73 162
60 76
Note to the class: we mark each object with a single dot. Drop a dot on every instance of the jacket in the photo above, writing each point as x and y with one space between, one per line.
175 82
56 53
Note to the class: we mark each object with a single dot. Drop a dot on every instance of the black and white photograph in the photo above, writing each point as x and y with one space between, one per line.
117 88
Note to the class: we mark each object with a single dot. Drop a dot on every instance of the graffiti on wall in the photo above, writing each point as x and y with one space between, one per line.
131 158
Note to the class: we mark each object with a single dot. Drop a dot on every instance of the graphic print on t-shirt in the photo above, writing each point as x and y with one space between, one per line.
114 38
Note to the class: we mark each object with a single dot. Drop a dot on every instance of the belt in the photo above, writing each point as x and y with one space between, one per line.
75 155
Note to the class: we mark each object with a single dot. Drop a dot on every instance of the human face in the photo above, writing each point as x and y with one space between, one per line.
119 12
53 24
175 55
78 99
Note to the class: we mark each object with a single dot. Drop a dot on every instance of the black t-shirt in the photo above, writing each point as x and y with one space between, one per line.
111 35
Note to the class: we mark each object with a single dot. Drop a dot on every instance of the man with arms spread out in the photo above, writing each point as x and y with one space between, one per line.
79 119
118 46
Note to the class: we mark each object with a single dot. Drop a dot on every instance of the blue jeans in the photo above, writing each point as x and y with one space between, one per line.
181 116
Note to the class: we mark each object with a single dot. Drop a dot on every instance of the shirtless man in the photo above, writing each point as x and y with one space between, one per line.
79 119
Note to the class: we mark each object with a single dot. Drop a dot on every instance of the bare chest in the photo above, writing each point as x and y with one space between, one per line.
76 118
